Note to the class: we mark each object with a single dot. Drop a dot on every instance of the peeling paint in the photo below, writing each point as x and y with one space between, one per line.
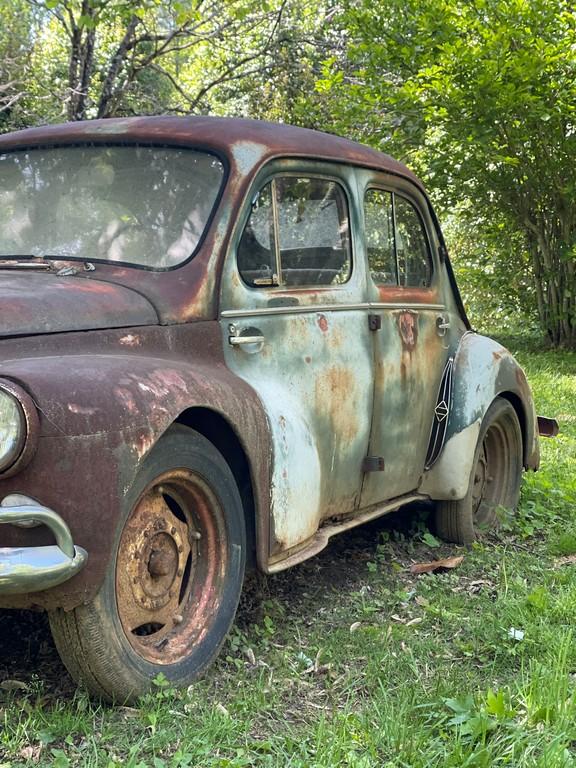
130 340
247 154
449 477
81 410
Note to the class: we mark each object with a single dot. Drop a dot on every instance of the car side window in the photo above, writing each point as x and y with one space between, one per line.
412 252
396 241
379 229
298 234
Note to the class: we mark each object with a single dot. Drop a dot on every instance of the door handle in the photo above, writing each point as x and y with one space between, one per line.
237 341
442 325
240 337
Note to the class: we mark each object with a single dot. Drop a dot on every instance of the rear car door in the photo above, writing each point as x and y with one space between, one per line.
293 315
410 321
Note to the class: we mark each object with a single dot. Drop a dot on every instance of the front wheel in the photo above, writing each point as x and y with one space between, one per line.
173 585
494 481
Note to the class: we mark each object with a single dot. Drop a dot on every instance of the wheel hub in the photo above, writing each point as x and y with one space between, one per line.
154 549
169 564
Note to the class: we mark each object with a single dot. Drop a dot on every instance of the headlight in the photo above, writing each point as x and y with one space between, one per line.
12 429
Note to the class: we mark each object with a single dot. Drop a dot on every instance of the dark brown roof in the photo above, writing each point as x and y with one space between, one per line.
218 133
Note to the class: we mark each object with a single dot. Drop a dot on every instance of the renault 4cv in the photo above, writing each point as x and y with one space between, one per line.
223 340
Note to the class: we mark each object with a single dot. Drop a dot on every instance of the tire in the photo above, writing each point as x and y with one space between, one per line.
494 481
173 584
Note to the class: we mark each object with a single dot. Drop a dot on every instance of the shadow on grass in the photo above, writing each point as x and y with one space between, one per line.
27 651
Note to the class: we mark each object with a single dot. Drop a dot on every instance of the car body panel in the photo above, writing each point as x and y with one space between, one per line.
483 370
410 354
313 373
100 414
37 303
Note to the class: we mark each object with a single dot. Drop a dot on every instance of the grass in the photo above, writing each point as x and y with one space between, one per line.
348 659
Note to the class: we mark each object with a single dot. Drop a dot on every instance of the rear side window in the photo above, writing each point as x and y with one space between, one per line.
298 234
379 228
396 241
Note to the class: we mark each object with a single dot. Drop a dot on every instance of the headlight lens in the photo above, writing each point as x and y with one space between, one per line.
12 429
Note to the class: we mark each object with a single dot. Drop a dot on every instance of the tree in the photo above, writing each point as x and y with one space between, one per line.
15 26
114 48
480 95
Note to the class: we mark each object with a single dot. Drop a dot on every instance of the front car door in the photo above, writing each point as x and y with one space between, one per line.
293 315
405 293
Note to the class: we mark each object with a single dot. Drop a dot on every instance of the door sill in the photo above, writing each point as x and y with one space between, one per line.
320 540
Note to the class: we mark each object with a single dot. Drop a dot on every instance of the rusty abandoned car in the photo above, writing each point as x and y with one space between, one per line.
223 340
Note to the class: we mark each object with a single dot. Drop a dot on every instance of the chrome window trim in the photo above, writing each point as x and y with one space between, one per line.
293 310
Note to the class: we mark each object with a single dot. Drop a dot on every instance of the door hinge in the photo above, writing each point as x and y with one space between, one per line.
374 322
373 464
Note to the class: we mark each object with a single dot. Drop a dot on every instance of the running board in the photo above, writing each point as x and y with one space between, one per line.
320 540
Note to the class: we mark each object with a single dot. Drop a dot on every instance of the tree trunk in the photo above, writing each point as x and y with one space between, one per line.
106 101
81 64
555 283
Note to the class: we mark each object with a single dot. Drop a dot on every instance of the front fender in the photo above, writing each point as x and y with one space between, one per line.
100 416
483 370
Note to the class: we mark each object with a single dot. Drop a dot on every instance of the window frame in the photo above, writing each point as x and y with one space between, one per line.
271 178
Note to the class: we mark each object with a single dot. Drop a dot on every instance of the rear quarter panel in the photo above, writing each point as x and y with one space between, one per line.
483 370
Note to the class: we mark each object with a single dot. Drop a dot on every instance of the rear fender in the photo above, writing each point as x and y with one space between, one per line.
483 370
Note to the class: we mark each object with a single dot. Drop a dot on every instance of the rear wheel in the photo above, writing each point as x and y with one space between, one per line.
494 481
172 588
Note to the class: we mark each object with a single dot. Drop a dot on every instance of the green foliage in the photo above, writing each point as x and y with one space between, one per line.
480 98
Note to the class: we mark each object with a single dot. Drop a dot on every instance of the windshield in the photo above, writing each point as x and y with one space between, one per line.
146 206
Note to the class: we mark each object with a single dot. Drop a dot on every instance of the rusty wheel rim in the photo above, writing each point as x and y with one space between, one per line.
490 476
170 567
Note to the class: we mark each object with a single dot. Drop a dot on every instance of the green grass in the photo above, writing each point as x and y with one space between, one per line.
349 660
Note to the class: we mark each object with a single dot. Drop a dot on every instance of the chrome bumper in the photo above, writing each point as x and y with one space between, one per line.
34 569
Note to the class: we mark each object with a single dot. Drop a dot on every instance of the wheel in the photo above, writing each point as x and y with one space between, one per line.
173 584
494 480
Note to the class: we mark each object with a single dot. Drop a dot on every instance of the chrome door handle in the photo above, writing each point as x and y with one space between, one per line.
236 341
238 337
442 325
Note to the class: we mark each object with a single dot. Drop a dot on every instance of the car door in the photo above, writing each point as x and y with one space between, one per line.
410 320
293 315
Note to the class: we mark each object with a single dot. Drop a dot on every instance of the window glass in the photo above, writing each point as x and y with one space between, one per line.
147 206
414 263
256 253
379 229
308 218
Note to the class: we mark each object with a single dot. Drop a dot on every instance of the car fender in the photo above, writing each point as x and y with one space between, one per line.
101 415
483 370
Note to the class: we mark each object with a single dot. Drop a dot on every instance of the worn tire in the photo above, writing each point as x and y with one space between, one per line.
494 480
173 584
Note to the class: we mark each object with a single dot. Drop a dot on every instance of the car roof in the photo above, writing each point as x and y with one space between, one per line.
246 142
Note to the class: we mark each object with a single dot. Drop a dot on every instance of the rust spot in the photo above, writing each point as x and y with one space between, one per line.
338 388
497 356
393 293
162 605
308 359
322 323
408 327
